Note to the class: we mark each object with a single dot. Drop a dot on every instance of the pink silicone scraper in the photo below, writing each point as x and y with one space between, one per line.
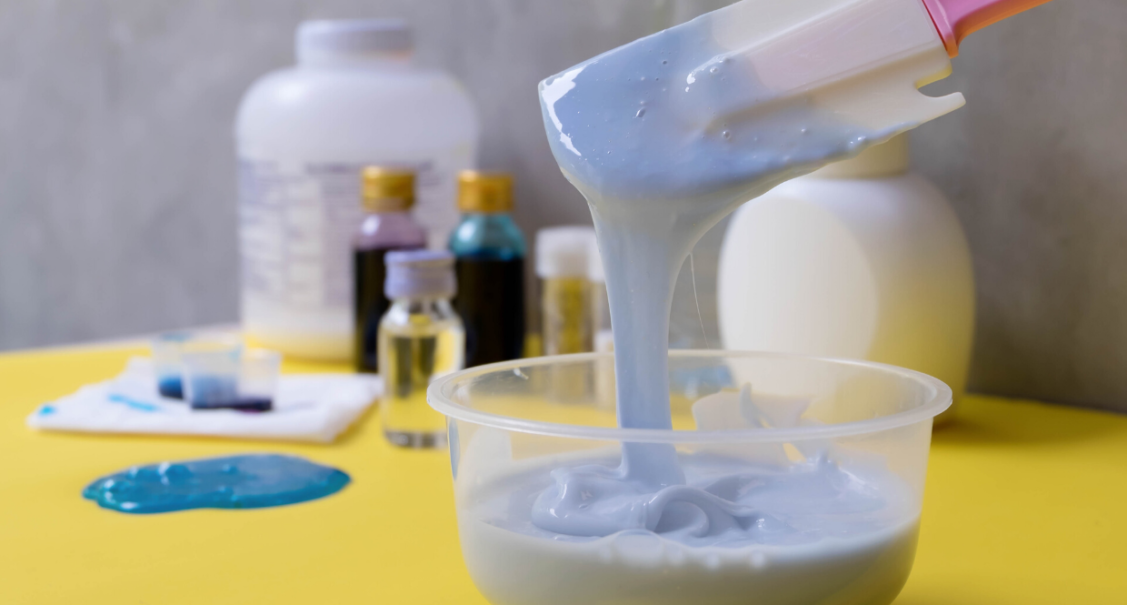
957 19
863 61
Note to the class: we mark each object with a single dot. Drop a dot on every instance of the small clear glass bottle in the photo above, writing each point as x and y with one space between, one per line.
420 339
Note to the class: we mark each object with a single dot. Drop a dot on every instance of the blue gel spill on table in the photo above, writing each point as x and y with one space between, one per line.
247 481
171 386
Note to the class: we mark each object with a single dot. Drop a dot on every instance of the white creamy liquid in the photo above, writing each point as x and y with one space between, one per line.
819 535
664 137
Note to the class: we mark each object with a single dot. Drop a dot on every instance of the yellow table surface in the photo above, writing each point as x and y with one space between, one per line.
1024 505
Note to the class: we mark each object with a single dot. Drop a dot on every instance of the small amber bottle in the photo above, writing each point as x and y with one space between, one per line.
387 197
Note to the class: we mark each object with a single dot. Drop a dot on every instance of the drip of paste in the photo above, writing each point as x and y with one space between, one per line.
664 137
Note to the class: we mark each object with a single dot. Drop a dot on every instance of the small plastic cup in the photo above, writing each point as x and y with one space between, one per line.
217 377
258 379
165 350
211 377
825 457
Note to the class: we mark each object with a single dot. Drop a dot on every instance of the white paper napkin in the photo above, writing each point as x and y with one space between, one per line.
307 407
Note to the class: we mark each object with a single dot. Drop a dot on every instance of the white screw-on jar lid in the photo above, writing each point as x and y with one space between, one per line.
352 38
420 274
563 251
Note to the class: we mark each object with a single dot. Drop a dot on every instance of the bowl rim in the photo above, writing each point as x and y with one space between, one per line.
938 398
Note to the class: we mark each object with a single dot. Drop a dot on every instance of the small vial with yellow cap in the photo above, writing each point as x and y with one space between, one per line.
490 252
562 264
387 196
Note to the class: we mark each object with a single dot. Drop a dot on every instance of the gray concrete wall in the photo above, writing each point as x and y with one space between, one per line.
117 197
1036 165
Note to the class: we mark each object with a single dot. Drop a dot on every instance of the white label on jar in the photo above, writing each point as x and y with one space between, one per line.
297 221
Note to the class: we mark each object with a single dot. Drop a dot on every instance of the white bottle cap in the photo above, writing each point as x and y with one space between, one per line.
352 38
420 274
878 161
595 270
563 251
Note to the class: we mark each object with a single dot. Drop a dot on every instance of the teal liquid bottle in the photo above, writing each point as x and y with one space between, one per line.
489 250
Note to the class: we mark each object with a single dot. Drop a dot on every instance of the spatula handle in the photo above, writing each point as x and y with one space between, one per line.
956 19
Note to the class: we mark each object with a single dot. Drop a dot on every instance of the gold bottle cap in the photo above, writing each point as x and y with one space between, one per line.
485 191
387 189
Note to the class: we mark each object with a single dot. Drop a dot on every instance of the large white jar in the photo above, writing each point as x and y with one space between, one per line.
303 134
861 259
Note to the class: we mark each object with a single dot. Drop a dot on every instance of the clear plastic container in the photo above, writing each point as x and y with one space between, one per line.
165 351
168 348
828 455
211 376
258 378
217 377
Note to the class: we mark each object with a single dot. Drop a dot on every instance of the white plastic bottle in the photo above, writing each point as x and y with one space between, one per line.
303 134
563 264
861 259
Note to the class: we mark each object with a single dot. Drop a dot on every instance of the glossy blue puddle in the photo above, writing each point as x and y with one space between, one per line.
247 481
